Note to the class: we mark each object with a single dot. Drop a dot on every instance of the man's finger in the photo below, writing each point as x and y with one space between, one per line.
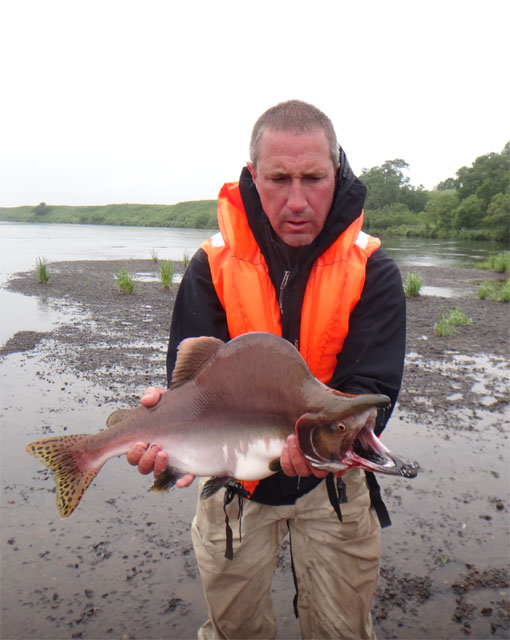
151 396
136 452
185 481
160 462
146 464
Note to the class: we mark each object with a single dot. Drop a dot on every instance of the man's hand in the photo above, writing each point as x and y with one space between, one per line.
153 458
294 463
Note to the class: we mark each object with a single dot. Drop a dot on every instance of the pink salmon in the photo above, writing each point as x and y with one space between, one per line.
227 414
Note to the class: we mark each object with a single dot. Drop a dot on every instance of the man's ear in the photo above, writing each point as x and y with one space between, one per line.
252 171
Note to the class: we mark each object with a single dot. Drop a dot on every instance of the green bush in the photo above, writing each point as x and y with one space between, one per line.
499 262
504 294
124 281
485 290
42 270
449 321
412 285
495 290
166 272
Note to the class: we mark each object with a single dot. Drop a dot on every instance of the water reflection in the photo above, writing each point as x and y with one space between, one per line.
21 244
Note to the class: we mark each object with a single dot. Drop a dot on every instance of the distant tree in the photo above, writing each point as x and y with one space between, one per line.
498 215
440 208
384 183
41 209
487 176
388 185
446 185
470 213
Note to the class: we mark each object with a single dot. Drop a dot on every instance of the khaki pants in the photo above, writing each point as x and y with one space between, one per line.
336 563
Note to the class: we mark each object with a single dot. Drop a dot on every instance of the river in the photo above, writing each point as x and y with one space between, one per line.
21 244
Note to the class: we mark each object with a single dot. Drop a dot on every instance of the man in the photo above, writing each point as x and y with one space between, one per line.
291 259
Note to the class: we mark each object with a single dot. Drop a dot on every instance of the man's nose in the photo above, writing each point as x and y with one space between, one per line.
296 200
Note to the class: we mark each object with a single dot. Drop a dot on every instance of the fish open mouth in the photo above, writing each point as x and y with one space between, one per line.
369 453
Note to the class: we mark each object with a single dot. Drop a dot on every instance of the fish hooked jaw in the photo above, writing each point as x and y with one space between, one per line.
369 453
365 451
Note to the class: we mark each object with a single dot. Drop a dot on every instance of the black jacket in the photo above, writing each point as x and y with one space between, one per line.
372 358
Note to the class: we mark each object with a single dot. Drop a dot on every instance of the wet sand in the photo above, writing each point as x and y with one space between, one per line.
122 566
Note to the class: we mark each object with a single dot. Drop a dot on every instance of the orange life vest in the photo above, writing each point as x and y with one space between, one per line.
244 288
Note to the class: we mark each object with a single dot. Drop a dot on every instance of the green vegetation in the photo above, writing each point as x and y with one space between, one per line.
185 259
412 285
124 281
166 272
199 214
500 262
473 206
449 321
154 255
495 290
41 269
504 294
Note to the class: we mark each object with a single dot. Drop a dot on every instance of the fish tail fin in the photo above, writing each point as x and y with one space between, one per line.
72 481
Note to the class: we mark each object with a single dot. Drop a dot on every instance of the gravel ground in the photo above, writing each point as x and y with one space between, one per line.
123 567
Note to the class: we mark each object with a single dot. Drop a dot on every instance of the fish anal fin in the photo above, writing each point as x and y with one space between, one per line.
165 480
213 485
192 354
72 481
117 416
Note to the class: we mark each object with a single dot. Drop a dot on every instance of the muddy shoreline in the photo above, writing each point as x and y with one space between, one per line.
123 566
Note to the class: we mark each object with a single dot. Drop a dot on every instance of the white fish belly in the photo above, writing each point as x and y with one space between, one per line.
253 462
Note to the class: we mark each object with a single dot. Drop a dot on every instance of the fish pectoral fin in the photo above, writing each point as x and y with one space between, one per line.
275 465
192 354
213 485
117 416
165 480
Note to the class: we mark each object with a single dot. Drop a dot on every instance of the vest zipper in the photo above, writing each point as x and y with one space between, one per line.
283 284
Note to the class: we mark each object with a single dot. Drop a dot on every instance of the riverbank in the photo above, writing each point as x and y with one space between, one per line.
122 566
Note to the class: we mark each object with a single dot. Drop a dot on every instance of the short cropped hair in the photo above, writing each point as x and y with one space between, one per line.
296 116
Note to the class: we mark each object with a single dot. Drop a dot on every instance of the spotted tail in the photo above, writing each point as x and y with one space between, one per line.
60 455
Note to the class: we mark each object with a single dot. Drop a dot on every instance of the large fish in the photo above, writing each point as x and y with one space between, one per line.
227 414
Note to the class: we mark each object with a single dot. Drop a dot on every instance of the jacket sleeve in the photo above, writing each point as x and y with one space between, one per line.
372 358
197 310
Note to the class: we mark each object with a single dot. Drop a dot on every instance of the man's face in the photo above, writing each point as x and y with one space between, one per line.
295 178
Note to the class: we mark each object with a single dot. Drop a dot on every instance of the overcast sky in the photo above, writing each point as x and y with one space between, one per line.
153 101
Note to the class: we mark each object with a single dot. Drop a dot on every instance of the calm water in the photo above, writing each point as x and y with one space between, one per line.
21 244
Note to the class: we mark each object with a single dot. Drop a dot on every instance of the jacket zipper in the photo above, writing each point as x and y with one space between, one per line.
283 284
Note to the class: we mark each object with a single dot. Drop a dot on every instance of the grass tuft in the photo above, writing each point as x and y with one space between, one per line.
124 281
499 262
412 285
185 259
154 255
504 294
495 290
41 269
166 272
449 321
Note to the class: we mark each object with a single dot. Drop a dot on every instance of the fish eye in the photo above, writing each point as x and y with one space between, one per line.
340 426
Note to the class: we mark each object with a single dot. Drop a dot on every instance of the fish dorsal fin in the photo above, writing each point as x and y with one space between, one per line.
117 416
192 354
